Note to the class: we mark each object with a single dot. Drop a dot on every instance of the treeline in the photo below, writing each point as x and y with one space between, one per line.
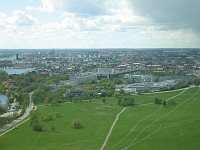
88 91
8 119
180 86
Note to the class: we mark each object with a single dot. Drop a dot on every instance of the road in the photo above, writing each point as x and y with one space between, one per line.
20 119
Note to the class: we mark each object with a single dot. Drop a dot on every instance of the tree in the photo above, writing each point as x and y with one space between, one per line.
76 124
37 127
39 95
164 103
34 117
121 91
53 128
104 100
58 115
47 117
2 109
157 101
3 76
171 102
54 102
117 81
197 81
34 122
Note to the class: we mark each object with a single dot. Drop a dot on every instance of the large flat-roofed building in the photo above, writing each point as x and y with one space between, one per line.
105 71
164 84
83 78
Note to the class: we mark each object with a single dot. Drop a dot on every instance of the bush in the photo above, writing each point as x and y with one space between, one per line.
53 128
164 103
171 102
47 117
58 115
157 101
76 124
37 127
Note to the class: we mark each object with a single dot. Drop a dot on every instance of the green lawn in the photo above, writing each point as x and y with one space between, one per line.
141 127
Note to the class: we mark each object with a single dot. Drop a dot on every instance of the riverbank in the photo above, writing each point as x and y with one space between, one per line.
18 120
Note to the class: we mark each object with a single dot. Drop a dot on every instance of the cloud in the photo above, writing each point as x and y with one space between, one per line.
175 14
17 18
80 7
22 19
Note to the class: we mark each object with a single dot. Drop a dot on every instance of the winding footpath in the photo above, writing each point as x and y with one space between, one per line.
113 125
7 128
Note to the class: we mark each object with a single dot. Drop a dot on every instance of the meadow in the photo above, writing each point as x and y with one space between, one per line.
141 127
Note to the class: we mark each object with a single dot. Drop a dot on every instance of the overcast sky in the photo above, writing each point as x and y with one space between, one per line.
99 23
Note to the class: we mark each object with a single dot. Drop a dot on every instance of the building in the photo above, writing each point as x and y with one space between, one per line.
164 84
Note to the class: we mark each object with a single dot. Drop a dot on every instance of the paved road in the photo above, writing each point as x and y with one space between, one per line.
14 122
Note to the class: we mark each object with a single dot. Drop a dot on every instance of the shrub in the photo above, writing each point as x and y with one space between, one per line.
58 115
47 117
157 101
53 127
76 124
37 127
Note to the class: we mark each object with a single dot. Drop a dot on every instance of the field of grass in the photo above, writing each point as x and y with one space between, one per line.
141 127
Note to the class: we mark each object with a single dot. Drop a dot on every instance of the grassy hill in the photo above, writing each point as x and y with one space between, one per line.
143 126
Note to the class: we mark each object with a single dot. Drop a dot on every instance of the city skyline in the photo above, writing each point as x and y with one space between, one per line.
99 24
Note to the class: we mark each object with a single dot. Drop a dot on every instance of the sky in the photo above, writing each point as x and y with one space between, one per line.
99 24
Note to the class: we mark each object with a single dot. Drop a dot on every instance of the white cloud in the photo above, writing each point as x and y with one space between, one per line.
88 23
85 8
17 18
22 19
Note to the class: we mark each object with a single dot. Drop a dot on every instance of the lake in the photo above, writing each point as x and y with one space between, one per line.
3 99
14 70
17 70
9 58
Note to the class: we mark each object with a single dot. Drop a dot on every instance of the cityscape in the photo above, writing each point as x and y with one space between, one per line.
139 69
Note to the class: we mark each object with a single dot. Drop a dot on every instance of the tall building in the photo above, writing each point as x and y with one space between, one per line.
17 56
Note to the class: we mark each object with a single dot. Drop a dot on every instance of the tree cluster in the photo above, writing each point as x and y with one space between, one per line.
126 101
5 120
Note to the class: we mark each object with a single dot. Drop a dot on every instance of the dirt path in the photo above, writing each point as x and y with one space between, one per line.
113 125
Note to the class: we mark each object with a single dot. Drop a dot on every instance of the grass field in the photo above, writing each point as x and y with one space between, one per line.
141 127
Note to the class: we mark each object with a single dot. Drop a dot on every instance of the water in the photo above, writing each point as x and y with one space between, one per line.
14 70
17 70
9 58
3 99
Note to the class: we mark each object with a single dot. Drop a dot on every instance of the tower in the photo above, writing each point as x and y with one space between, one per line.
17 56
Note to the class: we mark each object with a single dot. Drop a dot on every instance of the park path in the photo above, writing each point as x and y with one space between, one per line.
7 128
113 125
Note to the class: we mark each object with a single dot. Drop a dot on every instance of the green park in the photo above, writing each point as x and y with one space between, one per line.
86 125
